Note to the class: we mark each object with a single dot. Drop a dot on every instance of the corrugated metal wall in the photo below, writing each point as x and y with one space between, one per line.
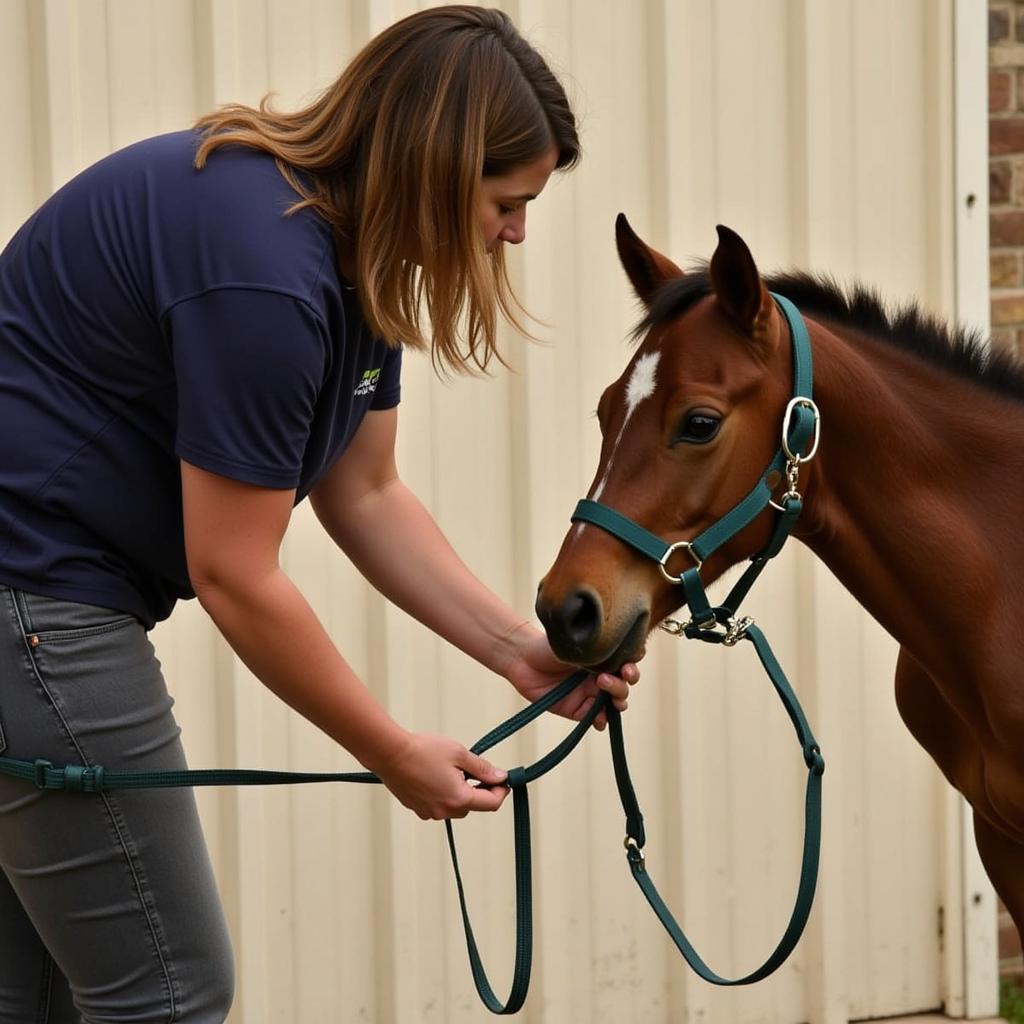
822 131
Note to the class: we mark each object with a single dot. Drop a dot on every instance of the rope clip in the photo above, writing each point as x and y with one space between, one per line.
736 630
634 854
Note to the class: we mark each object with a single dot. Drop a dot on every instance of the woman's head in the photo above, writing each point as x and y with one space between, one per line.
405 154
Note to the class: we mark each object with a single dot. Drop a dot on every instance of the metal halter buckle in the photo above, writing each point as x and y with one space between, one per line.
793 459
791 408
672 548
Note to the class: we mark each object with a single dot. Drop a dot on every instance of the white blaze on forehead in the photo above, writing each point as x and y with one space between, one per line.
642 382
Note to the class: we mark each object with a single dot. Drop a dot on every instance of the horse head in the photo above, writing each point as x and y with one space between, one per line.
686 430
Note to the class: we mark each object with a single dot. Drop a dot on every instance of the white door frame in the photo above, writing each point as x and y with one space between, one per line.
971 958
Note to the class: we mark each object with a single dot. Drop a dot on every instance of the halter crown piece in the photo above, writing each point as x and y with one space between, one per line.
801 428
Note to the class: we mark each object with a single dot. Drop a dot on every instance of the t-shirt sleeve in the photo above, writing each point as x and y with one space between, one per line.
249 366
389 392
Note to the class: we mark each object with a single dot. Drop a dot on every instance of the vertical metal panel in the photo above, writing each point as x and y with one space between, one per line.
820 131
18 183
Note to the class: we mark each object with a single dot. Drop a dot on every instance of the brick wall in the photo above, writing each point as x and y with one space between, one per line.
1006 258
1006 170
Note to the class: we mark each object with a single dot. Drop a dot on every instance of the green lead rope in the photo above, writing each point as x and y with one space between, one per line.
635 838
95 779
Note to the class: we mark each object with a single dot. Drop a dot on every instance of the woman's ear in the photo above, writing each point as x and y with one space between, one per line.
737 283
646 269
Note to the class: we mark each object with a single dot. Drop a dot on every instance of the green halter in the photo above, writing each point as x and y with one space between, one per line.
718 624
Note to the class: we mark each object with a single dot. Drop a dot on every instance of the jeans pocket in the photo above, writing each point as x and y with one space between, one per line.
86 661
50 620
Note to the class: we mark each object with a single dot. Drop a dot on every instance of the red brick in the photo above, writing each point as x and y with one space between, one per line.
1017 183
1006 228
1000 181
1006 55
1005 135
1001 91
1004 270
998 24
1008 310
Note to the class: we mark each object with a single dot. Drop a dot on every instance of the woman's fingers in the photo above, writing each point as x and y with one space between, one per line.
486 798
479 768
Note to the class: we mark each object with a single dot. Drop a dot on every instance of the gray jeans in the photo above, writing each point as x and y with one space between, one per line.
108 906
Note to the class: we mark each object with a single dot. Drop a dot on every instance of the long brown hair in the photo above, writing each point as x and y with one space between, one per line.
392 155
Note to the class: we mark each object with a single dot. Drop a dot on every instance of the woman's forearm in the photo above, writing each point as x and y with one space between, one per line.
395 543
275 632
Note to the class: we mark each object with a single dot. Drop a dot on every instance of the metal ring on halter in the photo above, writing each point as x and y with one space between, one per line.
663 561
794 404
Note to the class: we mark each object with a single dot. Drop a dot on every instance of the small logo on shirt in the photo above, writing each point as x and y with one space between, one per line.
368 385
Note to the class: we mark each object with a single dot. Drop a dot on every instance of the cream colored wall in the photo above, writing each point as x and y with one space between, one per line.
821 130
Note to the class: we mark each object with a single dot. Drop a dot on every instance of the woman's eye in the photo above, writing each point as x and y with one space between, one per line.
697 428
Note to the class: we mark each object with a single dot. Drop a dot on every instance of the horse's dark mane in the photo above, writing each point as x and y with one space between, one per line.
907 326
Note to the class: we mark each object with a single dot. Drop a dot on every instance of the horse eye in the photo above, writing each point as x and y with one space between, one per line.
698 428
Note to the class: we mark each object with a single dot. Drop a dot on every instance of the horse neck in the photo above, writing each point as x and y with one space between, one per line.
915 494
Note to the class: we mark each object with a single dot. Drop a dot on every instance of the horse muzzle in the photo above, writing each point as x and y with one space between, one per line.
581 632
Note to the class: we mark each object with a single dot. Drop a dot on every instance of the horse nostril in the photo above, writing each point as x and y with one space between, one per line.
581 617
572 623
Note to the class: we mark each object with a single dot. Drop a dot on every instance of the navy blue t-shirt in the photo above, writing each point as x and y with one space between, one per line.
152 312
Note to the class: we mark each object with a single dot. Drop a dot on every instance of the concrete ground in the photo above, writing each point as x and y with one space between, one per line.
934 1018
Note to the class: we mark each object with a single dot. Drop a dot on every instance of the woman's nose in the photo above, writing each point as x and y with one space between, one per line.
514 231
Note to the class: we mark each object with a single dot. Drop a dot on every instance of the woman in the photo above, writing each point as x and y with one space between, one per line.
195 334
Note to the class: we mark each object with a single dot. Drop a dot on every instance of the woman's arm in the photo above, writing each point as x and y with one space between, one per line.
392 539
233 534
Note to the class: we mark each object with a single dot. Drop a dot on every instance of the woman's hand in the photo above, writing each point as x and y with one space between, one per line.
439 778
533 669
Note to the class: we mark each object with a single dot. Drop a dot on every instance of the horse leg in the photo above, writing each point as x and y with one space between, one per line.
936 726
944 734
1003 858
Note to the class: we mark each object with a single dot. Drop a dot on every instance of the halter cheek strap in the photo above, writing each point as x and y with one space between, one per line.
718 624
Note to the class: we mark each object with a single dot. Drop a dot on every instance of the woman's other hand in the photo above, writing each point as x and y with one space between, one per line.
438 778
533 669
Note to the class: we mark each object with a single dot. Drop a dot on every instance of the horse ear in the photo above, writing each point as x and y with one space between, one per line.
737 284
646 269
